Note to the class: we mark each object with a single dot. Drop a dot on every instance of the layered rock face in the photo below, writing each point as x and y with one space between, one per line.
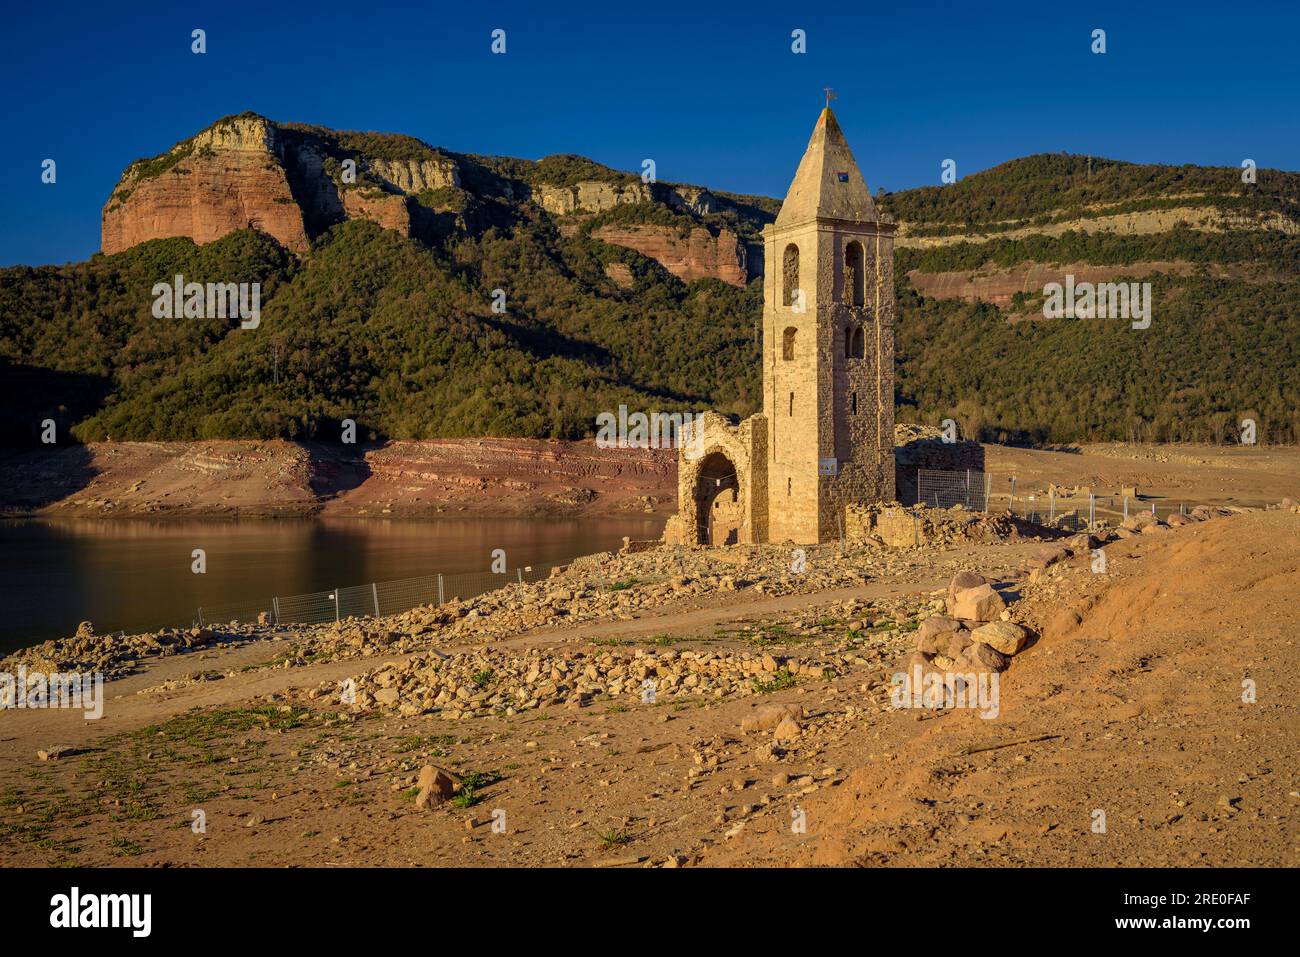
227 178
596 196
246 171
590 197
691 199
386 209
699 255
415 175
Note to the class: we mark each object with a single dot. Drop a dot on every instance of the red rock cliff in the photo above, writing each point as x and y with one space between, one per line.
228 177
698 255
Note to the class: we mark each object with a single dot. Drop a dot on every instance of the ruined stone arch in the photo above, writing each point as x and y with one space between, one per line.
720 498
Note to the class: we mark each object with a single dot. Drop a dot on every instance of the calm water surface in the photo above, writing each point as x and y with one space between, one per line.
135 575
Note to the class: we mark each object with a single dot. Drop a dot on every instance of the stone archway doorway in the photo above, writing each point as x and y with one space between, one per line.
719 509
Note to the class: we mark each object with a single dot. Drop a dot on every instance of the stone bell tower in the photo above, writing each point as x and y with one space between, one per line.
828 345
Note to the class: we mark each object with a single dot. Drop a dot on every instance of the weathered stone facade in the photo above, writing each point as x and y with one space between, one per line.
722 484
825 438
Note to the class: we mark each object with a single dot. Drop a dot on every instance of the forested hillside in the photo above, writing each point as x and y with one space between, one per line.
398 332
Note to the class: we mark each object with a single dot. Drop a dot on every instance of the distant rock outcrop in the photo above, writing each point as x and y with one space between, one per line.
228 177
590 197
697 255
293 182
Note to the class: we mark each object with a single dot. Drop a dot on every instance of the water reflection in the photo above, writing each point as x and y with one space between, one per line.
135 575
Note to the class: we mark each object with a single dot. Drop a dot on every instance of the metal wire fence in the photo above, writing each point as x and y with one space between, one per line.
1071 509
373 600
1074 510
1085 511
941 489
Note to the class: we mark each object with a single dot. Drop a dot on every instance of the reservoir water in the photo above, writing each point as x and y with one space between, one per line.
133 575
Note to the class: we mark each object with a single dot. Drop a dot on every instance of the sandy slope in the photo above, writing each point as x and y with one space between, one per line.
1144 703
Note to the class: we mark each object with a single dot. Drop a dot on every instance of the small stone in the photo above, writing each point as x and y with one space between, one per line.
770 717
436 786
787 730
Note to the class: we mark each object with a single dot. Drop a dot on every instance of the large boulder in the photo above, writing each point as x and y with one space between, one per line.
963 580
1047 556
980 603
787 730
933 634
981 657
1002 636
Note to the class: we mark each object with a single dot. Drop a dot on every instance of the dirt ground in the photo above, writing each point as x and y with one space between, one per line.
1168 475
1131 714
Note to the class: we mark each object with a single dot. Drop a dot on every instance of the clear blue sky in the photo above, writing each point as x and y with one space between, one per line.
712 92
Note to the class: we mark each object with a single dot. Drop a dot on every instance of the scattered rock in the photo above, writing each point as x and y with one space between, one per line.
1002 636
770 717
787 730
436 786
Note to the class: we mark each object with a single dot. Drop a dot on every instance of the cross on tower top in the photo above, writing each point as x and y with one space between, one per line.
830 95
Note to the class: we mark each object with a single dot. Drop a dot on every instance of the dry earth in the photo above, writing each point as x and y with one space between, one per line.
280 478
532 477
1167 474
1129 703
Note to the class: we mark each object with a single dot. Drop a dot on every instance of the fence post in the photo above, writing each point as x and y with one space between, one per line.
335 596
1153 508
200 617
521 575
440 598
1092 511
374 590
1011 500
275 603
1126 506
1051 498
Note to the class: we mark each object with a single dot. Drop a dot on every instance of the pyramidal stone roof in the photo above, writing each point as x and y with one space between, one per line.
828 183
